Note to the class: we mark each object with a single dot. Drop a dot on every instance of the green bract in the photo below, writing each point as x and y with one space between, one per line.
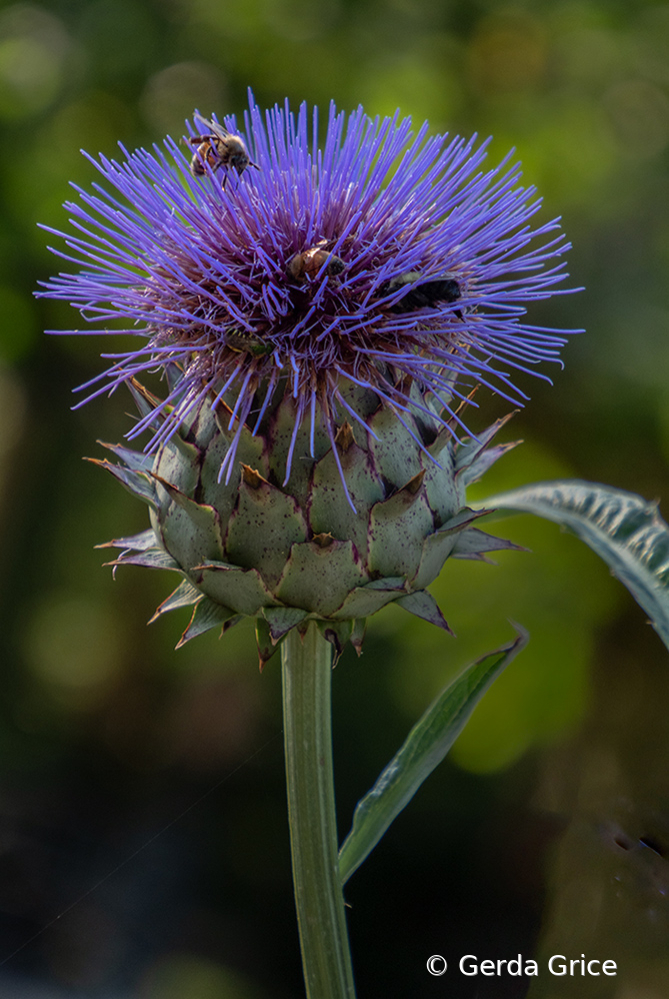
286 553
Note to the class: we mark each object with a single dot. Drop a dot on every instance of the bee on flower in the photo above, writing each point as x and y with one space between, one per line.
218 148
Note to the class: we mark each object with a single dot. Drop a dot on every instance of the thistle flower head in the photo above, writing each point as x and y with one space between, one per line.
320 318
387 258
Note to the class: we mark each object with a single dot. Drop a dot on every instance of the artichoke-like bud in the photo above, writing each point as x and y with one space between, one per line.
322 319
365 521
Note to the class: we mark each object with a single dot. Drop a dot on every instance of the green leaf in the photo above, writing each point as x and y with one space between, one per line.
622 528
425 747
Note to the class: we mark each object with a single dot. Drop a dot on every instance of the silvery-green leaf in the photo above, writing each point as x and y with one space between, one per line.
624 529
425 747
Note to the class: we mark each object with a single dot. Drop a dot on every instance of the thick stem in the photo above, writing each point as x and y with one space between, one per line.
307 668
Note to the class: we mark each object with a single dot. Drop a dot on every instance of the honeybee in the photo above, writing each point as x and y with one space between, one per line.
443 289
248 343
219 148
309 263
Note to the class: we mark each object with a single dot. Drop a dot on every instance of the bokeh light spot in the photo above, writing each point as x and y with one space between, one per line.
33 47
170 95
182 975
74 643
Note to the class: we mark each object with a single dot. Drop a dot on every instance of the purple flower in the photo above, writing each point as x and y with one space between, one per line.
388 258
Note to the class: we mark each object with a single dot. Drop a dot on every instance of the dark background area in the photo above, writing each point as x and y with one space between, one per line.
141 789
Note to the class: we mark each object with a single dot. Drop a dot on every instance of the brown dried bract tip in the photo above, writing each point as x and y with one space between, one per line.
332 637
323 540
252 478
464 403
144 393
344 438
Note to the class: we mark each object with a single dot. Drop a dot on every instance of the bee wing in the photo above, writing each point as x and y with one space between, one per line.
212 127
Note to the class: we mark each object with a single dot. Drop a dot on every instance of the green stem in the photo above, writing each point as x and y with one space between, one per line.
307 668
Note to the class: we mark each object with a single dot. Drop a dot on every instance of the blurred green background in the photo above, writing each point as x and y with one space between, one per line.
141 789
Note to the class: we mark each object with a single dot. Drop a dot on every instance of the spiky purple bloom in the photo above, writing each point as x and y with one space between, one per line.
419 267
